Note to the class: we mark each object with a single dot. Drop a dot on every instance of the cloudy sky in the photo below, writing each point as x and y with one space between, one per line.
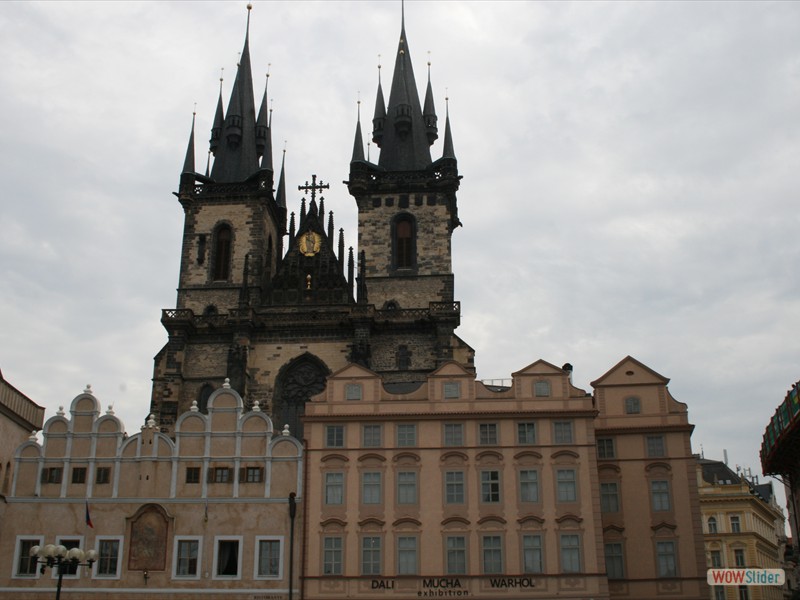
630 184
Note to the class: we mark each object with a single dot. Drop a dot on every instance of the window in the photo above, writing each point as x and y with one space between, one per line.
404 250
712 525
187 555
526 433
453 434
454 487
562 432
738 557
334 436
659 491
268 558
452 390
655 446
605 448
492 548
371 436
744 592
490 486
332 555
570 553
719 592
78 474
541 389
26 565
407 435
736 526
192 474
528 486
334 488
665 554
487 434
407 555
371 555
565 484
716 559
632 406
456 555
609 497
371 488
69 543
222 253
407 487
251 474
531 553
51 475
614 561
352 391
103 475
221 475
227 558
108 557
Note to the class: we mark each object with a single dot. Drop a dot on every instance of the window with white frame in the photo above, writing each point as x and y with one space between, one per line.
72 570
228 557
24 564
456 548
371 487
353 391
532 553
716 559
665 555
615 564
334 488
492 550
186 557
738 557
334 436
712 525
407 555
562 432
529 485
454 487
407 487
407 435
371 436
566 487
109 557
332 555
736 524
490 486
526 433
268 557
453 434
371 555
570 545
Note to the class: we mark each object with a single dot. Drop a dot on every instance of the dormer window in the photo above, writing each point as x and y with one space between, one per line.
633 406
352 391
452 390
541 389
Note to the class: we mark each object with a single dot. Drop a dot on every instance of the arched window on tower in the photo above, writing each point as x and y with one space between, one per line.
404 242
222 253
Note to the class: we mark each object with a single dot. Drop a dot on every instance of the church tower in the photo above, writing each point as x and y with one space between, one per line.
272 301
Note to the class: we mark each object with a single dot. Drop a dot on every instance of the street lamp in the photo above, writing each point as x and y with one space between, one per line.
61 559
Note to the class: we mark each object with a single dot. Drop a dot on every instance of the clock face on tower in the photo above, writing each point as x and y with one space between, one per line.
309 243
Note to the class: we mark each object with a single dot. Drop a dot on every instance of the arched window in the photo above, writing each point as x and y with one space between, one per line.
403 236
712 525
222 253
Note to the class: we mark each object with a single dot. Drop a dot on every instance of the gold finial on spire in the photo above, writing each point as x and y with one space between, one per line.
194 112
269 66
429 60
249 7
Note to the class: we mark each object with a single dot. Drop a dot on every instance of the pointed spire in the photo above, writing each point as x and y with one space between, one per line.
208 163
330 228
291 229
404 143
262 128
237 156
350 270
321 212
358 143
379 118
188 162
429 111
302 210
280 195
341 250
219 121
362 278
448 151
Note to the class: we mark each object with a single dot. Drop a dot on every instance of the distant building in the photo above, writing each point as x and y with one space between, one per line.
743 527
19 416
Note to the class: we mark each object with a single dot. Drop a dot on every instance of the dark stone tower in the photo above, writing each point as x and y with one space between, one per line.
277 306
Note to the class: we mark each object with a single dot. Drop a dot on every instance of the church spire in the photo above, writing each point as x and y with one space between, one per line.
358 143
379 118
263 132
404 143
280 194
448 151
237 155
188 162
429 111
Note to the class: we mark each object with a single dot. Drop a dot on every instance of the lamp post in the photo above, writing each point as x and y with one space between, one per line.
292 514
61 559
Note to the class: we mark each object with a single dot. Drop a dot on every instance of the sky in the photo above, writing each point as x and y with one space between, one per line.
630 181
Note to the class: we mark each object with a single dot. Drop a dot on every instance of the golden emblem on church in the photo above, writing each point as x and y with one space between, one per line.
309 243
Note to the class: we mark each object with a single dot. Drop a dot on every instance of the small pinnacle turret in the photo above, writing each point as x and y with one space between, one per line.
188 162
358 143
